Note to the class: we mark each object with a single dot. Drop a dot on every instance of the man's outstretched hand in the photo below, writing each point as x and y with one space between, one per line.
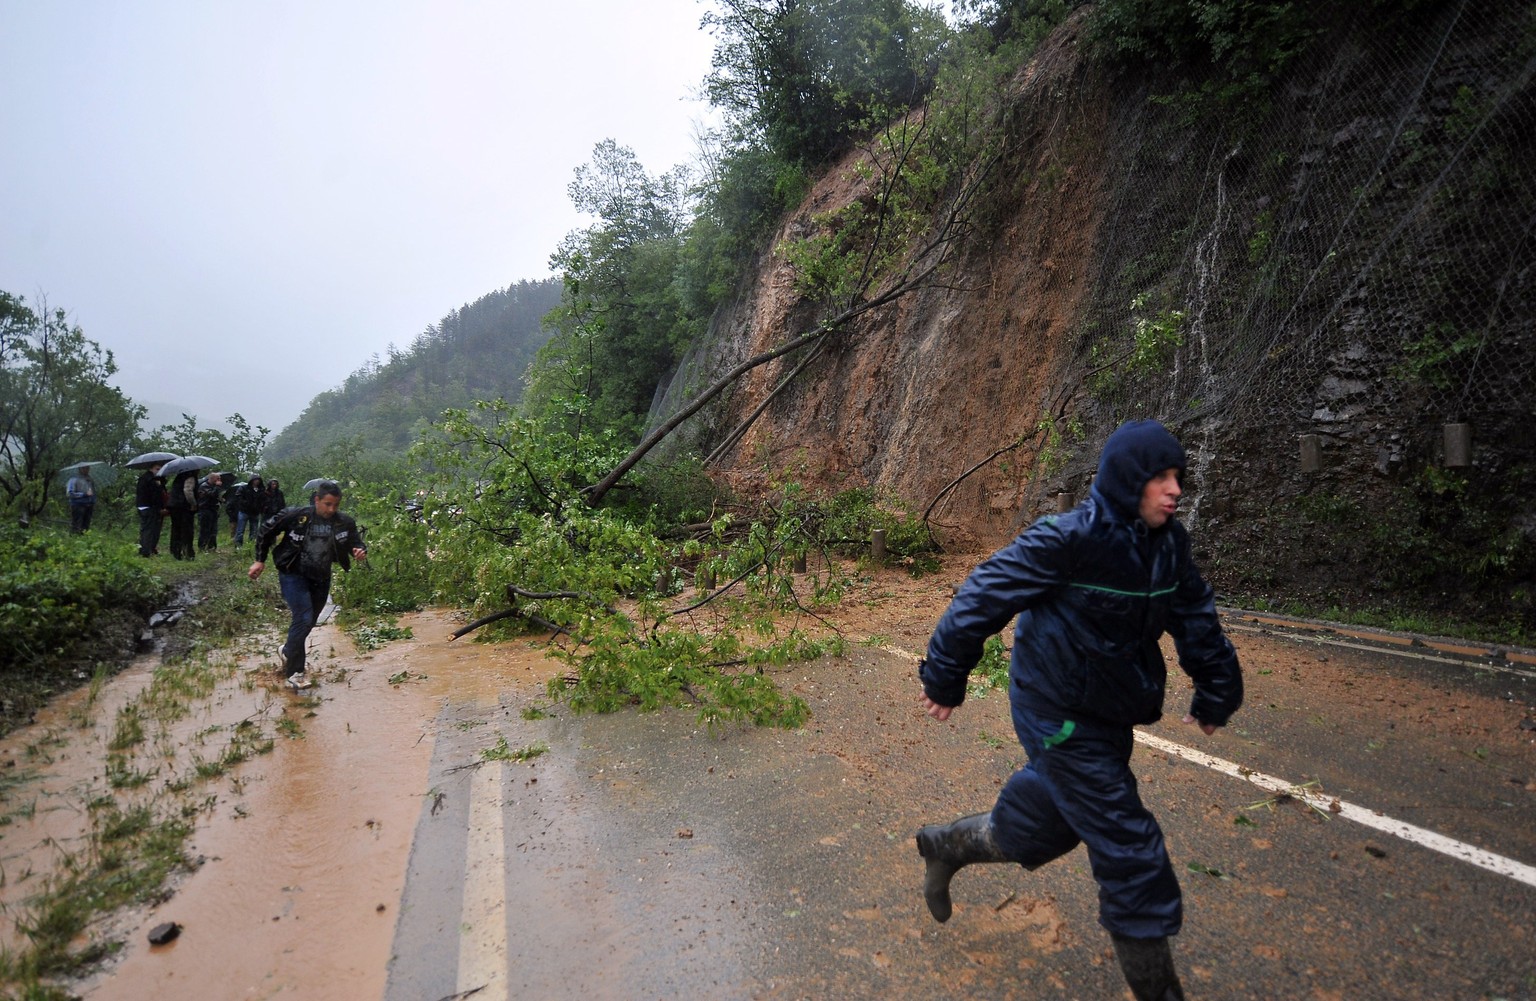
1205 728
932 708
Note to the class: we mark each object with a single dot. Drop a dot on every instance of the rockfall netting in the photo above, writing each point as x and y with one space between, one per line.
1327 291
1350 258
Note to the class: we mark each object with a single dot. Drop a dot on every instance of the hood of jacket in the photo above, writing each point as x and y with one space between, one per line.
1133 455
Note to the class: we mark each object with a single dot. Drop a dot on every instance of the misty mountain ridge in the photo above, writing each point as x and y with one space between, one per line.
479 351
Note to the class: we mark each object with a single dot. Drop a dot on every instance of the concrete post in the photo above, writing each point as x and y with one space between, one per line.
1458 446
877 545
1311 453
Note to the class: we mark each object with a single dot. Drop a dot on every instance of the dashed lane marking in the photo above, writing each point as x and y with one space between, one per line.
1477 665
1374 819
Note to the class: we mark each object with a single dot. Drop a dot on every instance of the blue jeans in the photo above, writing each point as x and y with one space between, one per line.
1078 786
243 521
305 598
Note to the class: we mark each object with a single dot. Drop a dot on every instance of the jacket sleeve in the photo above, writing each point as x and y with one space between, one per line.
1011 580
270 529
1205 653
343 551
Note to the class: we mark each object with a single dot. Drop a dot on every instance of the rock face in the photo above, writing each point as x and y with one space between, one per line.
1349 257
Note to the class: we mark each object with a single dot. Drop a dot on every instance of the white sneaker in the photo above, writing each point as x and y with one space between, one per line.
297 682
282 660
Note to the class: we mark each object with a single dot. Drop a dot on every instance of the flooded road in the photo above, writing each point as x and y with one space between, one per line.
392 845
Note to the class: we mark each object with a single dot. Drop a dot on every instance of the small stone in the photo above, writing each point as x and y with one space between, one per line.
163 933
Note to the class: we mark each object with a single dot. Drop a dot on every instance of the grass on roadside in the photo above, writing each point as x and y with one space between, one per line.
140 820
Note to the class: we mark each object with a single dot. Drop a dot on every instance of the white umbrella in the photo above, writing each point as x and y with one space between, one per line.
102 473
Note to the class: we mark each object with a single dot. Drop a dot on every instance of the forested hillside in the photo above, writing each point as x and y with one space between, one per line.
480 351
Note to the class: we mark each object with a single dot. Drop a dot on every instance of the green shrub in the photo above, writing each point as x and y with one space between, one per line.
53 588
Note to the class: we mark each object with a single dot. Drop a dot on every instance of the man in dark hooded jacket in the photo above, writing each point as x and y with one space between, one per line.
1094 589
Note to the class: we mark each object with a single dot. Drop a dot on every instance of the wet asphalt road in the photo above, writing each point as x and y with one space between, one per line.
644 857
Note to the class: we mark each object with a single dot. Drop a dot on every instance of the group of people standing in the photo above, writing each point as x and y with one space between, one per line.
189 500
248 504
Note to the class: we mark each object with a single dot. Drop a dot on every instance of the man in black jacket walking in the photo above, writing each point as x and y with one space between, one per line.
308 541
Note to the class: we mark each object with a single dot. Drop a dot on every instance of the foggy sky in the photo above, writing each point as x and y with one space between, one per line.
243 202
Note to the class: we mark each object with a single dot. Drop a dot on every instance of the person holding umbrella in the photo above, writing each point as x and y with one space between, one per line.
308 541
183 502
82 498
183 507
149 498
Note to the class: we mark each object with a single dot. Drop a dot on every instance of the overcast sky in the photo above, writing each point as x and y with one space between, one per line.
244 201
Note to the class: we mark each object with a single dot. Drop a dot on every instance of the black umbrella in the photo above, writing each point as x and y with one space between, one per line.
188 464
151 459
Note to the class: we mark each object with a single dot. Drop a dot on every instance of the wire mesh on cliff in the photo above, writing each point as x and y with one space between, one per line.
1357 262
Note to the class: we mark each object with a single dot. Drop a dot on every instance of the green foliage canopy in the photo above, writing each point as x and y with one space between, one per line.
56 406
804 77
622 322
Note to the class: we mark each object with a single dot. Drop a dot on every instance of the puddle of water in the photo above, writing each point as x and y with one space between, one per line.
305 848
60 763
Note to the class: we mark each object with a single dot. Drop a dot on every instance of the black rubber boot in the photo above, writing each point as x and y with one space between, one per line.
1148 967
948 847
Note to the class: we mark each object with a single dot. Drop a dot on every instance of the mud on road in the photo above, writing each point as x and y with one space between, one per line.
378 852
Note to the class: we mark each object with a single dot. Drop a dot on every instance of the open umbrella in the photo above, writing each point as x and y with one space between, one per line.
101 472
187 464
151 459
314 484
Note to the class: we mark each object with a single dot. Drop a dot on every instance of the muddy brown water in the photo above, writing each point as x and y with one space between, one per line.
381 856
302 856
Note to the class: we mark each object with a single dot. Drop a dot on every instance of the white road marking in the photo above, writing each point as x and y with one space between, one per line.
483 928
1423 837
1476 665
1370 818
